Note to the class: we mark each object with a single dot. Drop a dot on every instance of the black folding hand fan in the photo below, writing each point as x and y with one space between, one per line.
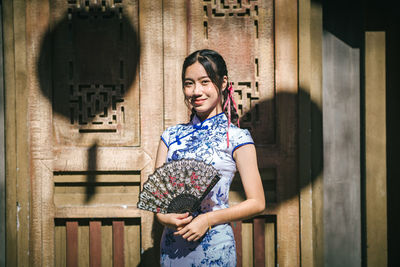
178 187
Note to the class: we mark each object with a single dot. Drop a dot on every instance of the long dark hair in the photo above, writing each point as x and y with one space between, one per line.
215 67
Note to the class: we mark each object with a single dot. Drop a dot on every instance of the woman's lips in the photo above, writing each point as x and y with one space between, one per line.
198 101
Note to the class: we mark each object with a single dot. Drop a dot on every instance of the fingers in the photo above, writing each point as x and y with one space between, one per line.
182 215
183 222
182 231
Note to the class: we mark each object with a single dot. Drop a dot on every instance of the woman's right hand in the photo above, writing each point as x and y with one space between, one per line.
174 220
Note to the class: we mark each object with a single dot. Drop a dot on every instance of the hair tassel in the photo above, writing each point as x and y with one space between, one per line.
228 106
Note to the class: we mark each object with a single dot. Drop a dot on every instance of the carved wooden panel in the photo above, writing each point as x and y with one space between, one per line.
242 32
95 58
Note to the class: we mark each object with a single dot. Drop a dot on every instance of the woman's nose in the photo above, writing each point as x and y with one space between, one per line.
197 90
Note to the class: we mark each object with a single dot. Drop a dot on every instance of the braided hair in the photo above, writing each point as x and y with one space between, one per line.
215 67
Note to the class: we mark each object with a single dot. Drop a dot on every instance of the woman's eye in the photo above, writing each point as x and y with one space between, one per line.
205 82
188 84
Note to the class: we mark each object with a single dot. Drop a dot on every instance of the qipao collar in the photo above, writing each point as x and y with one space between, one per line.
216 119
198 125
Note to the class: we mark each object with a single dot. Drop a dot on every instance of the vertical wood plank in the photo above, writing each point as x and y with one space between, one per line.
175 51
286 59
310 134
270 244
83 244
40 133
341 137
132 243
10 133
2 152
151 107
247 244
106 245
72 243
95 243
237 231
375 148
259 241
118 243
19 188
60 241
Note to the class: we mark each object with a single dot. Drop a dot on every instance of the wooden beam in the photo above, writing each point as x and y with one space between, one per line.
98 212
310 132
375 148
259 241
95 243
237 232
341 137
2 152
72 243
118 243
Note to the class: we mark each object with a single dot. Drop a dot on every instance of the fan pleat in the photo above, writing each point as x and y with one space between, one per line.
173 181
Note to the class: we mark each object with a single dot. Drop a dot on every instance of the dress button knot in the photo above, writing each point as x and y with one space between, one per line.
200 127
178 140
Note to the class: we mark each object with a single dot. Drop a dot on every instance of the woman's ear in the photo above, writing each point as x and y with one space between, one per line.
224 82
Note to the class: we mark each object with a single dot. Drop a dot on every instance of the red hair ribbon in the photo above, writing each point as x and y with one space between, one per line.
228 103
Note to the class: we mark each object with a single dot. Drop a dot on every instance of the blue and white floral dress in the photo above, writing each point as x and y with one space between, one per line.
206 141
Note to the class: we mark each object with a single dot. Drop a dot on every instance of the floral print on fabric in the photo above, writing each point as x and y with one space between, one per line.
205 141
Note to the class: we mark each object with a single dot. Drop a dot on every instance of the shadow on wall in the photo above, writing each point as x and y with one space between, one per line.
87 63
283 120
277 136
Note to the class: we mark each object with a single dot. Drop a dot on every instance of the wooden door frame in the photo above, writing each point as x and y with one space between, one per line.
2 152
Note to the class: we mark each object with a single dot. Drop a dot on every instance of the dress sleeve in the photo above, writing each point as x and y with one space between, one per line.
165 137
241 137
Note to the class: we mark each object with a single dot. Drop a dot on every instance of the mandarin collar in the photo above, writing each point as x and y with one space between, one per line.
209 121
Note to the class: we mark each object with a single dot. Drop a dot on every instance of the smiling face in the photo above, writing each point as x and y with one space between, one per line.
202 94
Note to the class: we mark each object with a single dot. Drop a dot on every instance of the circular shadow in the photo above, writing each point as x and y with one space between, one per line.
88 56
288 138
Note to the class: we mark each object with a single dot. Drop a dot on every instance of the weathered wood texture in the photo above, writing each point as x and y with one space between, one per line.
286 76
72 243
237 232
264 76
95 243
375 148
40 134
17 134
259 241
174 52
152 108
310 132
71 150
2 152
101 242
341 132
118 243
255 242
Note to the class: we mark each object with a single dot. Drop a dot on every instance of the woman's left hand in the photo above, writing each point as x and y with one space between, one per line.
195 229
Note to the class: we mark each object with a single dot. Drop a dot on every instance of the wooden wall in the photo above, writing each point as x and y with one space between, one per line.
67 181
310 132
375 149
2 152
17 142
341 128
325 221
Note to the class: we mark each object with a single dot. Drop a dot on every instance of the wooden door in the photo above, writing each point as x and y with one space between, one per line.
104 81
95 130
258 39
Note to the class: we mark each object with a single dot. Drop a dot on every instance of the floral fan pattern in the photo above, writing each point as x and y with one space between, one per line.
178 186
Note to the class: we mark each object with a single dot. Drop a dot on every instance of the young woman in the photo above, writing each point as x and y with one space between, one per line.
207 239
